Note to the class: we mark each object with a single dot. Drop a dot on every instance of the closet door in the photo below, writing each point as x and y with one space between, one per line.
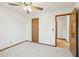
35 30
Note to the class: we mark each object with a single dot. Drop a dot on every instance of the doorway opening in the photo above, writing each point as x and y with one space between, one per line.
62 30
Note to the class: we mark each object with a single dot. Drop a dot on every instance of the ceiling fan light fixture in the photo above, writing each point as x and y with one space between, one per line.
27 8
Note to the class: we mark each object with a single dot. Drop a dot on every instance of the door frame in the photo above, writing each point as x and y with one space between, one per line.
69 29
56 25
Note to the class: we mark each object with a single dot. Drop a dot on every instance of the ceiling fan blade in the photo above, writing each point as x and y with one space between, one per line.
14 4
38 8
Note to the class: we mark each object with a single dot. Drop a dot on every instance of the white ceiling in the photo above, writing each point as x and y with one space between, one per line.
47 6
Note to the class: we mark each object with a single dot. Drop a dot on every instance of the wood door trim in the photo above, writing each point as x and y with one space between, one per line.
77 33
63 14
56 25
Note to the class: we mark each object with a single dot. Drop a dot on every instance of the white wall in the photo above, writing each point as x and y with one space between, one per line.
46 24
12 27
68 29
28 28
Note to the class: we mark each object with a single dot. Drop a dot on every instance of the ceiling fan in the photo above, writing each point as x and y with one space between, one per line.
26 5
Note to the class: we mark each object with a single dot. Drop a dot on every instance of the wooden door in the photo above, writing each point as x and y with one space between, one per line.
35 30
73 36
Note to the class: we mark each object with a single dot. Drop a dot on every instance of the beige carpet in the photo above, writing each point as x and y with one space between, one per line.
29 49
